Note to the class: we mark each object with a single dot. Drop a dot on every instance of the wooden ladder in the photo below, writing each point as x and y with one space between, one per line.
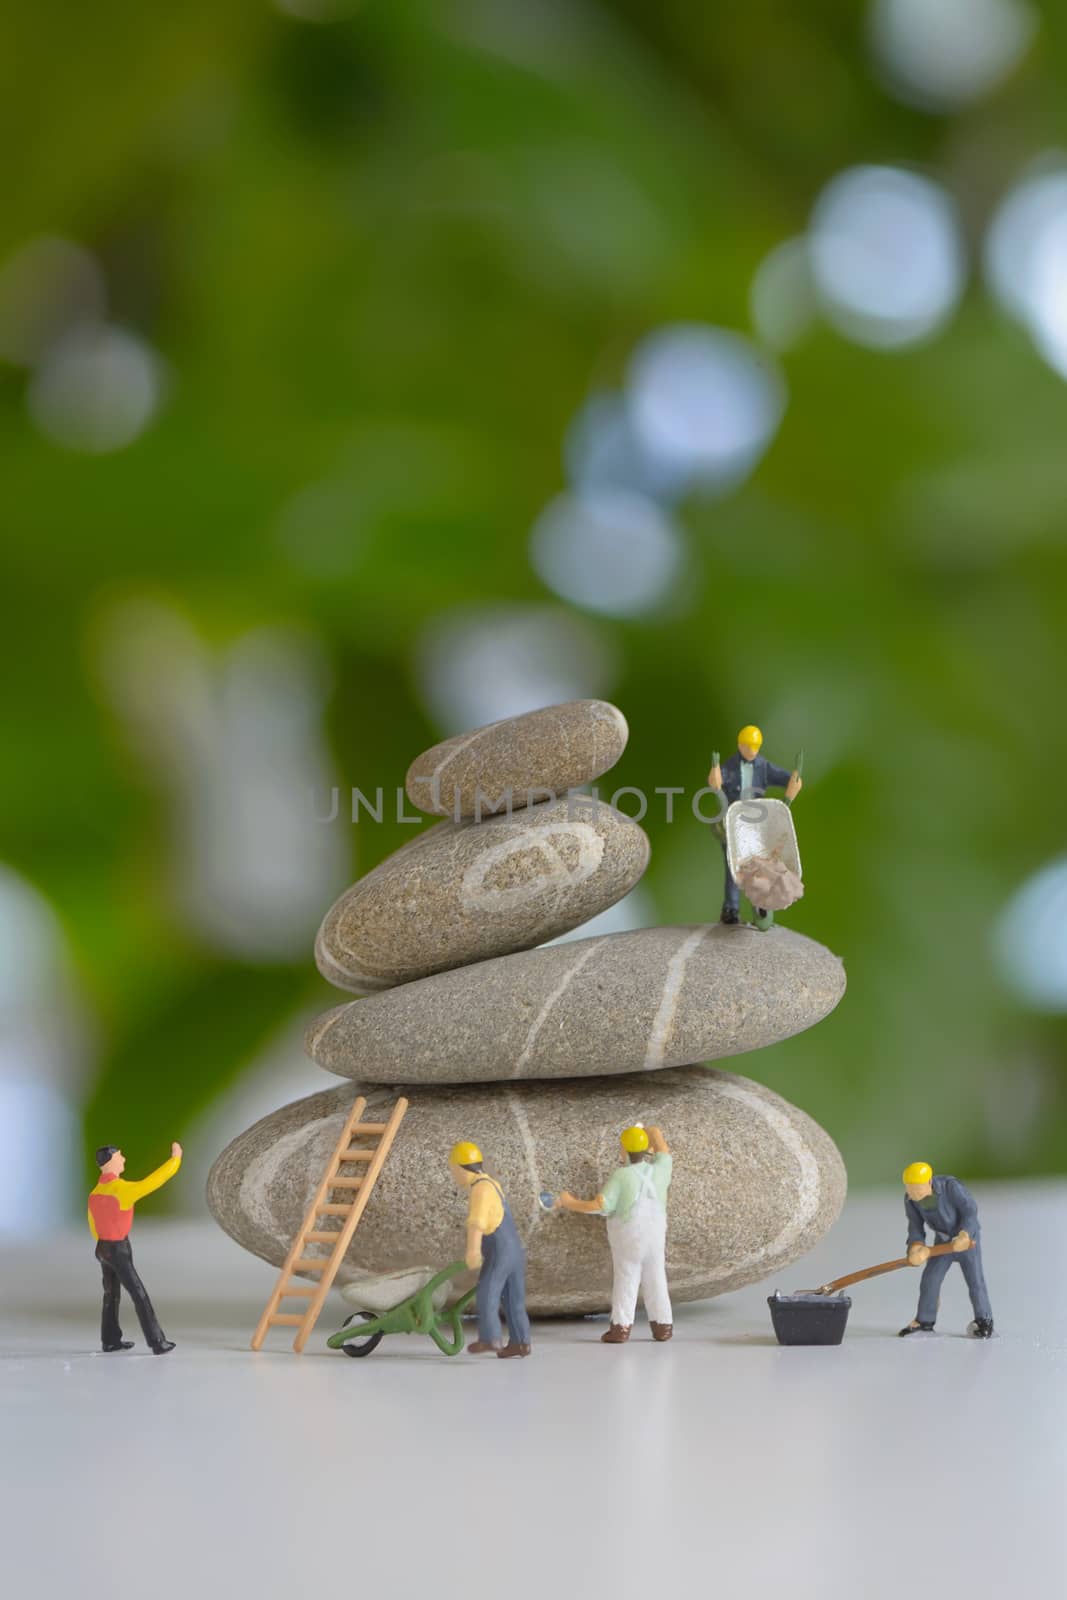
358 1189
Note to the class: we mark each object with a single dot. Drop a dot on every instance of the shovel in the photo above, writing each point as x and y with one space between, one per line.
798 768
818 1316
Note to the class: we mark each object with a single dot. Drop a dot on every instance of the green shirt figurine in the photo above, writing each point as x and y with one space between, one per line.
627 1185
634 1200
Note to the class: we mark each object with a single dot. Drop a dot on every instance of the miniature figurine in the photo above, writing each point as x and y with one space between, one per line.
634 1200
111 1206
746 776
496 1252
943 1204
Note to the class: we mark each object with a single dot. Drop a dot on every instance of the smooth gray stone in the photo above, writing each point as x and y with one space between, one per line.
756 1181
617 1002
462 892
555 748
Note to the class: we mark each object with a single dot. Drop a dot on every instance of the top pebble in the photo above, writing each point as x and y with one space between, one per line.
514 762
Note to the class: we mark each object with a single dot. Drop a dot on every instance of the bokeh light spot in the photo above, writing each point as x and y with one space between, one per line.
96 389
609 550
704 402
782 299
477 666
236 739
1026 258
887 255
941 54
602 450
1030 939
43 1046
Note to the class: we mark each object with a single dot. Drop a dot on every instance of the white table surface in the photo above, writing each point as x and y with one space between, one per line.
718 1464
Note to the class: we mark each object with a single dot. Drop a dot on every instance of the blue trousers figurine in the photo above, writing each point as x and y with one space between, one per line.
503 1282
496 1253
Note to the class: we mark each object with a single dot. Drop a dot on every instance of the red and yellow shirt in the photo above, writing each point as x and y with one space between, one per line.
111 1202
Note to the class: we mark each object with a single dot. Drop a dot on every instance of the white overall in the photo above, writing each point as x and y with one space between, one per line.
638 1254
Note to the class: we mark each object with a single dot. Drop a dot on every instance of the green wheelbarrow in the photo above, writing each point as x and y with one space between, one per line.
363 1331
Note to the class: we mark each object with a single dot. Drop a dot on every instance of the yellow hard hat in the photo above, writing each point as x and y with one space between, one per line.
464 1154
750 736
634 1140
918 1172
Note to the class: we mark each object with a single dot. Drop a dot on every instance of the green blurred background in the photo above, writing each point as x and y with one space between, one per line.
372 370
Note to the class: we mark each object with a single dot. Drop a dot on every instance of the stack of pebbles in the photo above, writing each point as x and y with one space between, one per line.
542 1055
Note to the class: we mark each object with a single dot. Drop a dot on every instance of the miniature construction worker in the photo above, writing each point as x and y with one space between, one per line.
110 1219
496 1253
747 776
943 1204
634 1200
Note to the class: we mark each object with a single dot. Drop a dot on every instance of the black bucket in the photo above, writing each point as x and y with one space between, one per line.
809 1318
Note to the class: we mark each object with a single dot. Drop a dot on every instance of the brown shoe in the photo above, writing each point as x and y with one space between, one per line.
483 1347
661 1331
513 1349
616 1334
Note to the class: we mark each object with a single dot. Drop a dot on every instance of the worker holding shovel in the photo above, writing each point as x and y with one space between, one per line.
634 1200
945 1205
818 1316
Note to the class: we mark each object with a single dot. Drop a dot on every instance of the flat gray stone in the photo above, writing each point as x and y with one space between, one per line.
555 748
462 892
756 1181
618 1002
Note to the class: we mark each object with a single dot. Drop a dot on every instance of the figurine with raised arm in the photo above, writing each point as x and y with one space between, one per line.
634 1200
496 1253
746 775
111 1206
949 1209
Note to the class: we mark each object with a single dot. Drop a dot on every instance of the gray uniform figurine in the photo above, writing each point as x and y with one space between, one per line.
944 1204
743 776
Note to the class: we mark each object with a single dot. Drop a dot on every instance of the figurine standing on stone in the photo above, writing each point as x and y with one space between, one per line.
111 1206
445 943
746 775
634 1200
496 1253
945 1205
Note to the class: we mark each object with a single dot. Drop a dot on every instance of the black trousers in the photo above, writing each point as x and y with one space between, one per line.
116 1264
731 895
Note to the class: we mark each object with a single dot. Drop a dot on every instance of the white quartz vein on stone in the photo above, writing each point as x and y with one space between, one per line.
522 1123
672 988
345 977
565 734
808 1193
461 744
605 712
259 1175
473 894
325 1024
542 1016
